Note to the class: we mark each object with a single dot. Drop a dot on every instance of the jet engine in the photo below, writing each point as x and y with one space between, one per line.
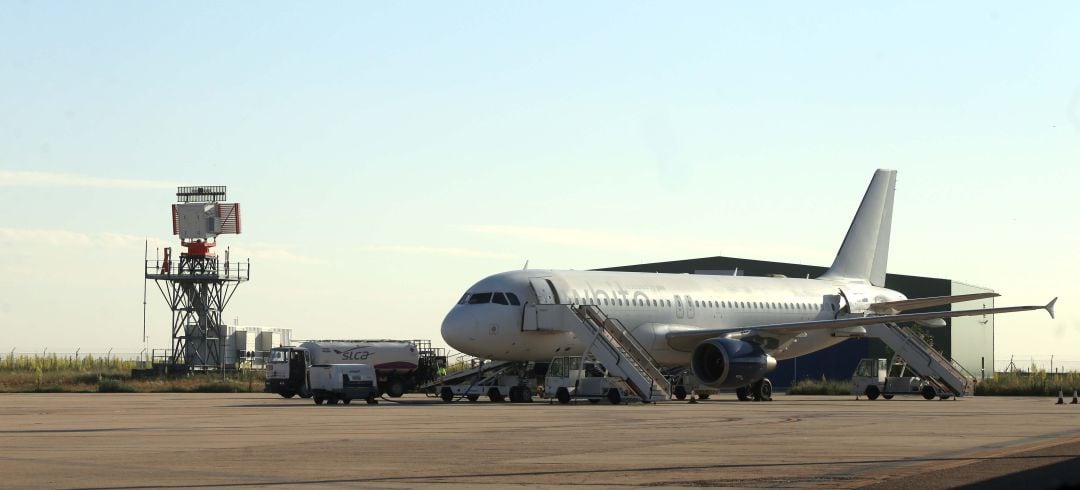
730 363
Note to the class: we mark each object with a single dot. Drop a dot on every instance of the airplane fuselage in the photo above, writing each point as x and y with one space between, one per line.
485 325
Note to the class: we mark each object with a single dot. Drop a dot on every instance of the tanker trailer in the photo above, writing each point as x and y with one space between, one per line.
395 363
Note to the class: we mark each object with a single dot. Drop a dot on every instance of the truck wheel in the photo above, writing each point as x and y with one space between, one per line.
943 397
703 396
346 401
613 396
679 392
563 395
872 392
287 394
446 394
472 398
928 392
372 401
494 395
395 389
594 400
331 400
743 394
887 397
319 400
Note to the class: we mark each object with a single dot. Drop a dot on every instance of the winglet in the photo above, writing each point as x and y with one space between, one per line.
1050 307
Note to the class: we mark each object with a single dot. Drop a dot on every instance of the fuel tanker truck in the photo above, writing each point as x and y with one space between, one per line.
398 364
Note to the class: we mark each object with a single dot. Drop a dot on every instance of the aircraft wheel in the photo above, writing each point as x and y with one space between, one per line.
446 394
680 392
372 401
887 397
563 395
743 393
346 401
703 396
762 390
319 400
614 396
287 394
928 392
872 392
472 398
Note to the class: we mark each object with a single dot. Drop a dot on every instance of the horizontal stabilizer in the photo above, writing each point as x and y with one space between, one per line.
894 307
686 340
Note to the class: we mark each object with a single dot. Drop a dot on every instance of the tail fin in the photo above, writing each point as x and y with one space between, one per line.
865 251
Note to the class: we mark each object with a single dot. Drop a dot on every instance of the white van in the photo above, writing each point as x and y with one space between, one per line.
331 383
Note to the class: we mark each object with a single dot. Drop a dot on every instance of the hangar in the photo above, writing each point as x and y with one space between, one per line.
968 341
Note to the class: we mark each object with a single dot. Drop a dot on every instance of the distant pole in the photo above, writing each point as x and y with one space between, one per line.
146 254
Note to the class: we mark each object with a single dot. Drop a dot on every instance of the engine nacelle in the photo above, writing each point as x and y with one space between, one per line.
730 363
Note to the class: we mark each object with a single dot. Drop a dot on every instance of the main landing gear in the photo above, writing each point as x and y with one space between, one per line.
759 391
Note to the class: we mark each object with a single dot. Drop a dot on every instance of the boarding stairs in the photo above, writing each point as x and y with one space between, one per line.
926 361
621 354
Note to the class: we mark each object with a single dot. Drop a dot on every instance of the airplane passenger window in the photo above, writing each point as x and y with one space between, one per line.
513 299
668 303
499 298
605 301
480 298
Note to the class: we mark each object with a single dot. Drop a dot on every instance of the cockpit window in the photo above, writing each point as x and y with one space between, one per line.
480 298
513 299
499 298
463 299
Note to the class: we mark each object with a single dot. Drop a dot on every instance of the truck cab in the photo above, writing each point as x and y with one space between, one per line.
286 372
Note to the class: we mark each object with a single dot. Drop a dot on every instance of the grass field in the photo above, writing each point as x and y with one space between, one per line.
57 374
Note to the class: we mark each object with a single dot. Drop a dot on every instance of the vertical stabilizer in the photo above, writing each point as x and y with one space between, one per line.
865 251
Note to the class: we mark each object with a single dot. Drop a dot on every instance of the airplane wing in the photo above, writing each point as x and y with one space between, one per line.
894 307
688 339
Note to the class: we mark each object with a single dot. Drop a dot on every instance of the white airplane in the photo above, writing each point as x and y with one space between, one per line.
730 330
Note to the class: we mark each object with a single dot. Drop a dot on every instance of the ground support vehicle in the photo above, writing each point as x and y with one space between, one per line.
572 377
332 383
400 365
498 381
877 377
684 383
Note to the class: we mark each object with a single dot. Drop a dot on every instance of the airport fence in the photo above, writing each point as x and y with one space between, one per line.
1022 363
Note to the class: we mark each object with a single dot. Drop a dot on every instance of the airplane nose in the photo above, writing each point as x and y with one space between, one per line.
458 328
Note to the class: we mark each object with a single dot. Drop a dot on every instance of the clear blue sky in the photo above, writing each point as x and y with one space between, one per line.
389 155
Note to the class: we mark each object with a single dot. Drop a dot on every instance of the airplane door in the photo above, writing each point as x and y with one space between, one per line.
545 291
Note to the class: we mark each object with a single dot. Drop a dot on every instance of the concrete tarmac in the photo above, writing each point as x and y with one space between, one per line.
240 440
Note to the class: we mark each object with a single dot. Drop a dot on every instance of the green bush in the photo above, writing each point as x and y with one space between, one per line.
218 387
820 387
1038 383
114 386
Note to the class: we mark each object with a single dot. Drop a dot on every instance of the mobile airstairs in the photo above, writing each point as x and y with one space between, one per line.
624 358
922 358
